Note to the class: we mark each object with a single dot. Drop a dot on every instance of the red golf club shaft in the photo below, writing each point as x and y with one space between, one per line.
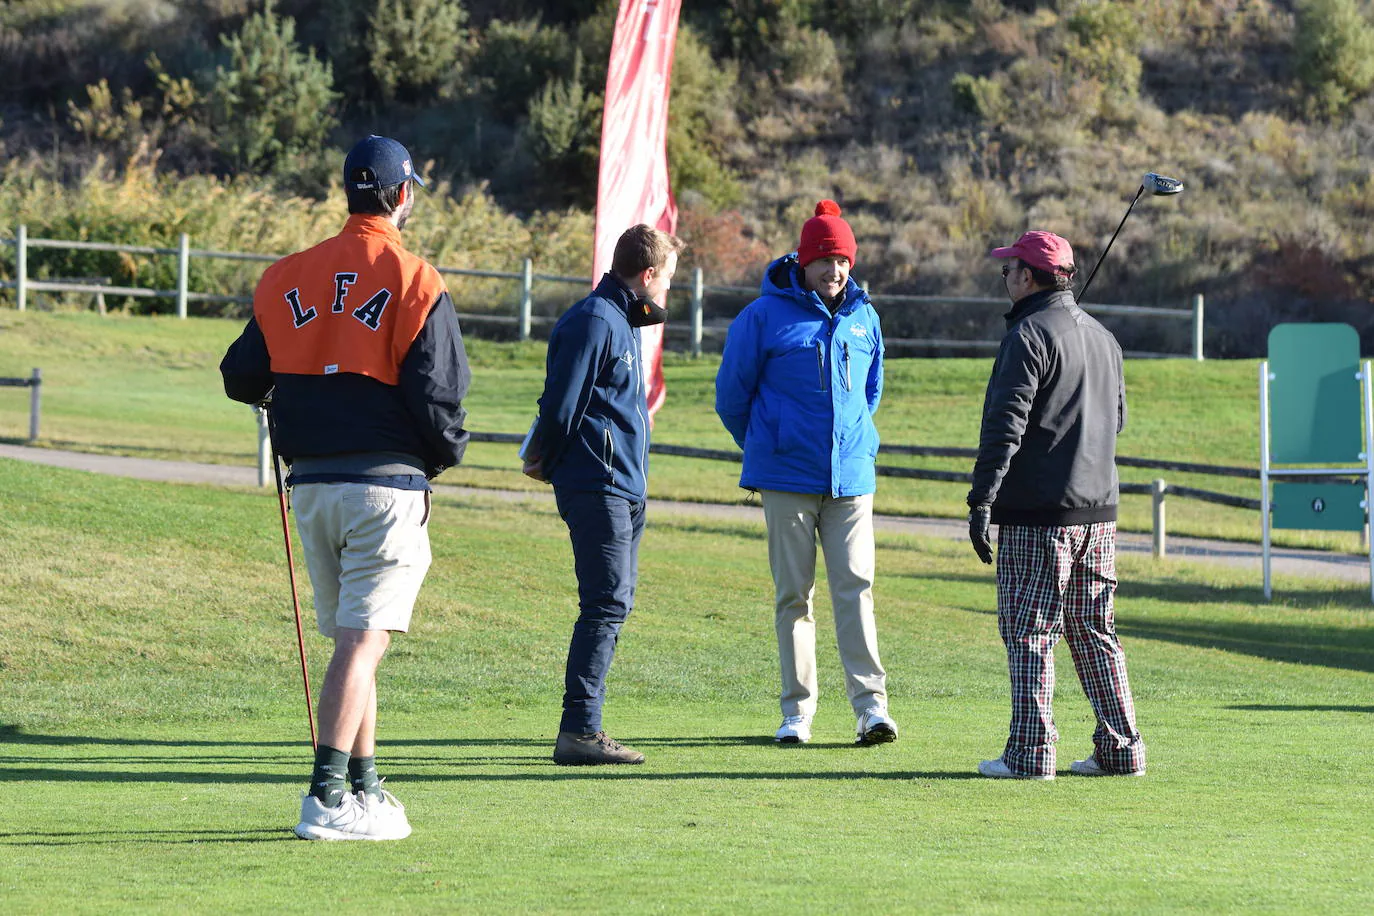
295 595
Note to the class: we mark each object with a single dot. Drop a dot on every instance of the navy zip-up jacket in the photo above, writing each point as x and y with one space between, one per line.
797 388
593 428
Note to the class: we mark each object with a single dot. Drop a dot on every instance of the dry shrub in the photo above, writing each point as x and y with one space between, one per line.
722 245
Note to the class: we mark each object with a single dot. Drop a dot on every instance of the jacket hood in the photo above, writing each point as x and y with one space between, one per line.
783 278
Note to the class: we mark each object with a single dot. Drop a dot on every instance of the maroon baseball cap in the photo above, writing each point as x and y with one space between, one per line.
1043 250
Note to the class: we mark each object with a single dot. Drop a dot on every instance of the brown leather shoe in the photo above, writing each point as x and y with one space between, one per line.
573 749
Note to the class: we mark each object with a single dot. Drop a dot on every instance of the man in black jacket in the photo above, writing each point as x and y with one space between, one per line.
359 342
1046 474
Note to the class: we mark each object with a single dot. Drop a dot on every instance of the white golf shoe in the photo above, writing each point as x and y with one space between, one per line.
388 816
998 769
352 819
794 730
875 726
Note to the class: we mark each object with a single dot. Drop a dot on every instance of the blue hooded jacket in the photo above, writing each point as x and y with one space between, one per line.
593 430
798 387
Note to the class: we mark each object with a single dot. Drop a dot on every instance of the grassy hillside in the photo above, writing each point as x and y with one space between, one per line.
943 127
150 387
153 744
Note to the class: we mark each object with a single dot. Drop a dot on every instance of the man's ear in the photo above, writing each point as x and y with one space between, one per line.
404 196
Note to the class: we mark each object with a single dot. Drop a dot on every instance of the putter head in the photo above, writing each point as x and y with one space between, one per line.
1160 185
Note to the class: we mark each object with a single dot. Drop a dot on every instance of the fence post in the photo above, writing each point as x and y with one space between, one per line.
1157 490
1197 327
526 297
183 272
35 403
697 308
21 266
264 449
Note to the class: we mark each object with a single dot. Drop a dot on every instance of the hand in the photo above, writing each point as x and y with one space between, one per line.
979 518
534 469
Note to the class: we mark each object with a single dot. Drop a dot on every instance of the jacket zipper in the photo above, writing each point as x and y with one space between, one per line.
609 450
820 365
848 385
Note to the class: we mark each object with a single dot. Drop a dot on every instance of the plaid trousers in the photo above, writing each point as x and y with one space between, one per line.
1054 581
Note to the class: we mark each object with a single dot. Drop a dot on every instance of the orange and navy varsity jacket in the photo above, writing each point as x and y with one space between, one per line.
361 341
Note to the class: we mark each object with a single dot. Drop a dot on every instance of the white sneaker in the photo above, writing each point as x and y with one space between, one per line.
794 730
349 820
998 769
1091 767
875 727
388 816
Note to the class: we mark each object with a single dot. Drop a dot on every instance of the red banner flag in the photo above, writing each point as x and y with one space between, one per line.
632 185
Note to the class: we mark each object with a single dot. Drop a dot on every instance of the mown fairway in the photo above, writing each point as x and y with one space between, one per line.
150 387
153 741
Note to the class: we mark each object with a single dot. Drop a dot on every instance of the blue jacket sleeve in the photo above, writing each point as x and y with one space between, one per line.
434 379
246 367
577 352
737 381
874 388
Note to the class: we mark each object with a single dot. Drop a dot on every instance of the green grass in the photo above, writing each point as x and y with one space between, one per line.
150 387
152 740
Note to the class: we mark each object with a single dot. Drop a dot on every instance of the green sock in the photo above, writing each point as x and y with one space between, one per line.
329 782
362 777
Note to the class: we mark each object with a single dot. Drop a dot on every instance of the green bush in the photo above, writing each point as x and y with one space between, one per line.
272 100
1103 46
702 124
415 44
563 136
1334 47
979 96
515 60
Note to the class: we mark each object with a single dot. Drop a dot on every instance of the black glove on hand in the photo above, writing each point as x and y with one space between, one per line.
979 518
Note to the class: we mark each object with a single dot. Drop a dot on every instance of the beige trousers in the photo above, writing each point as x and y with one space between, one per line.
845 530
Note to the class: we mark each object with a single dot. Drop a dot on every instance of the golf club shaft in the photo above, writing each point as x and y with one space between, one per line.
291 573
1084 291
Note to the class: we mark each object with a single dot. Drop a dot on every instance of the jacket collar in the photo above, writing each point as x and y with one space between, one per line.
1038 302
370 224
613 289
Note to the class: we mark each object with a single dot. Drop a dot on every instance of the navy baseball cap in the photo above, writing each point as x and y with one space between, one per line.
378 162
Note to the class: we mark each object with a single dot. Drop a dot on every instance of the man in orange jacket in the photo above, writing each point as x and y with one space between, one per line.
358 341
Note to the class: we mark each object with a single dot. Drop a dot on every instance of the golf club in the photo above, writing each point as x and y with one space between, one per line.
1159 186
266 407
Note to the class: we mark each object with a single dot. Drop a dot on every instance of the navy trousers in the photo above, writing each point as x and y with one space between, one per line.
605 532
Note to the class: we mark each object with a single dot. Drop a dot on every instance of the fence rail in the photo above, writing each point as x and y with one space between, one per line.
1156 489
523 318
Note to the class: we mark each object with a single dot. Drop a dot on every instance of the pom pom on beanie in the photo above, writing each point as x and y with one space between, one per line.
826 235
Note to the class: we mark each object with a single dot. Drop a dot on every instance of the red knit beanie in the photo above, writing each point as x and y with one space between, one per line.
826 235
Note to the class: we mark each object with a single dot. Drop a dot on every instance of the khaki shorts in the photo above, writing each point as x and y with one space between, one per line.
367 548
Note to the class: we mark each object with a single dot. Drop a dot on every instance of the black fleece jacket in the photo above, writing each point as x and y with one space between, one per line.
1054 405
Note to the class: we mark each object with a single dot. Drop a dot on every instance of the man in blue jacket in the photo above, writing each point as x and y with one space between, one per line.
799 382
591 441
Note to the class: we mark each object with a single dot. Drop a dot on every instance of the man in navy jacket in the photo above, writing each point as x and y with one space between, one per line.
591 441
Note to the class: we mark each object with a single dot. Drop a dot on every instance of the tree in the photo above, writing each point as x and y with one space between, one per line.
1335 53
272 101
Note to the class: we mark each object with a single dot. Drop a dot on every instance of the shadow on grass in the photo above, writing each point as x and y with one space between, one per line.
1301 707
1348 648
164 837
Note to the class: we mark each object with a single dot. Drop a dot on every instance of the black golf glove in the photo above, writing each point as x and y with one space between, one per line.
979 518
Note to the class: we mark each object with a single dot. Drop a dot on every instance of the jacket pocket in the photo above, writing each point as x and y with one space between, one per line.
608 451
